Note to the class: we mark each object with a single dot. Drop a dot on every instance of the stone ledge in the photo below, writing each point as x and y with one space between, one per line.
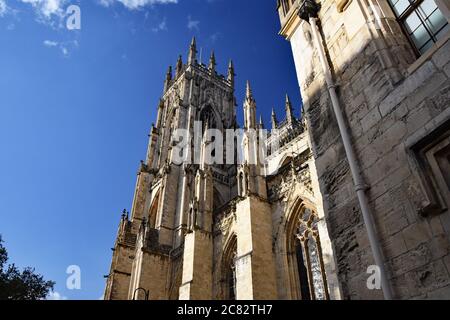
426 56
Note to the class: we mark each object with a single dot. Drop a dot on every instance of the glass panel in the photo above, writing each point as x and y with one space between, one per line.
401 6
316 270
426 46
420 36
306 214
412 22
427 7
302 272
436 21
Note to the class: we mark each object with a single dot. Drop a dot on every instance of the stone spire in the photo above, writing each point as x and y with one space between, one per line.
168 78
261 122
179 67
192 57
249 109
212 63
248 92
231 73
274 120
289 114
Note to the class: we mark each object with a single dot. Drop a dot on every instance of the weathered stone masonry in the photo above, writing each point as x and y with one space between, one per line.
397 107
242 231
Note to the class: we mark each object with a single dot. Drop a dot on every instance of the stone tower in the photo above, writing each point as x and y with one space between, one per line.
166 245
245 228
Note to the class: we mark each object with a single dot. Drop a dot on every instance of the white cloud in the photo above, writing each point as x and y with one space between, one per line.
3 8
136 4
193 24
54 295
49 43
49 12
48 8
65 47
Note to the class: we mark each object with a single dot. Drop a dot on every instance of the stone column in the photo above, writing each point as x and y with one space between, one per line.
255 263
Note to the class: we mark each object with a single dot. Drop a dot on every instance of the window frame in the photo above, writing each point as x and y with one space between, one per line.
413 7
431 177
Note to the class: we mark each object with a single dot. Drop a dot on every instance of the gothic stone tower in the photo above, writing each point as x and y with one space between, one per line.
246 230
166 246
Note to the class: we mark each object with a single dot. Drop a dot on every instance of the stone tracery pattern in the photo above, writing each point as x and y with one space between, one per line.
308 235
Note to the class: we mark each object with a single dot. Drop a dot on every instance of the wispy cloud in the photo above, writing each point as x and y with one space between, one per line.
214 37
162 26
3 8
50 12
193 24
54 295
49 43
136 4
47 7
65 46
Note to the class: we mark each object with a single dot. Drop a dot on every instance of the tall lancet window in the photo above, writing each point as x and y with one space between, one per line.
310 267
229 270
231 281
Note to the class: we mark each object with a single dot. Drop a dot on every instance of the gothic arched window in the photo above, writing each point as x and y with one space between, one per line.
153 212
208 118
229 269
241 184
305 260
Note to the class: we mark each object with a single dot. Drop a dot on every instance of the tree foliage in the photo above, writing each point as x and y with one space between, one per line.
20 285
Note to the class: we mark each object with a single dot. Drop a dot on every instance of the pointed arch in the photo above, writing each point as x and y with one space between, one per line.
306 271
229 268
153 212
287 158
208 116
217 199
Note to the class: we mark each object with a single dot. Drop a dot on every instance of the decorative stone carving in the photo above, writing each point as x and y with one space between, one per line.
226 223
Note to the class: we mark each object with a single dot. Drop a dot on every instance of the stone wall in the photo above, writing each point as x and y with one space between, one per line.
387 96
119 277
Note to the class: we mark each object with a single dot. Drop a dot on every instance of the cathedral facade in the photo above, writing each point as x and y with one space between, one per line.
348 202
223 231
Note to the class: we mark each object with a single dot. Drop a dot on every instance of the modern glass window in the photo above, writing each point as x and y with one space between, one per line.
422 21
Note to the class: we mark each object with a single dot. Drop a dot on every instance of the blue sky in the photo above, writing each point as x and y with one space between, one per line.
76 107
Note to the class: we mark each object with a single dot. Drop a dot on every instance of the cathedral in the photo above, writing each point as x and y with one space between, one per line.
348 202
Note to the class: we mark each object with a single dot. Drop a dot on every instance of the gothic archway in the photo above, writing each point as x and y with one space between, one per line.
229 269
217 200
307 278
153 212
208 118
